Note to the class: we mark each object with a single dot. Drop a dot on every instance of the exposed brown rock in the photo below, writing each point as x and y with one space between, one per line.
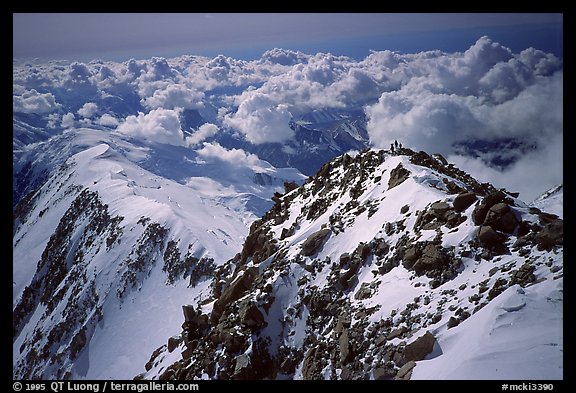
463 201
397 176
420 348
313 243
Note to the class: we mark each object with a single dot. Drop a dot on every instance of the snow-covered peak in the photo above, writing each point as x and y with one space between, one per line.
117 237
552 201
375 269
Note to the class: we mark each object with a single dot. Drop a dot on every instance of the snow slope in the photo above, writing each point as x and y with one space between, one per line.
348 277
106 251
552 201
518 336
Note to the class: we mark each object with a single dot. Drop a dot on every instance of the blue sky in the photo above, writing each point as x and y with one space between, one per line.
122 36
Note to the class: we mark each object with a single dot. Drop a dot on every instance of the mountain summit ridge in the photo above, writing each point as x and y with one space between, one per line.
369 270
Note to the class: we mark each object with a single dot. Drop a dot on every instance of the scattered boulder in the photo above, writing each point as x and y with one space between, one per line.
363 250
551 235
364 292
438 214
453 322
383 373
313 243
396 333
397 176
439 210
481 210
405 371
464 201
502 218
346 278
380 247
404 209
234 292
489 237
250 315
419 348
524 275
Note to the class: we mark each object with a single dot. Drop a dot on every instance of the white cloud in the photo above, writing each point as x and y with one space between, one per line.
440 101
159 125
235 157
53 120
284 57
68 120
535 172
174 96
107 120
204 131
429 100
484 93
262 121
30 101
88 110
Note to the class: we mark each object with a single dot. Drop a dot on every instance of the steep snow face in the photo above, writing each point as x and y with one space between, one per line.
383 266
552 201
107 251
517 336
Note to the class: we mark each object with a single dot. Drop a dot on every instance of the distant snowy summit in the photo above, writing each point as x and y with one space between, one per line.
111 236
383 265
551 201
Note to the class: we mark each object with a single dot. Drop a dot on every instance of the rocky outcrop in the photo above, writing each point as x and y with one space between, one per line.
419 348
463 201
501 218
250 315
313 243
438 214
397 176
234 291
551 235
430 259
497 219
481 210
281 311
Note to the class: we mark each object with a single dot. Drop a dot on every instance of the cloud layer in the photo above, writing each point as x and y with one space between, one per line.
30 101
484 93
158 125
435 101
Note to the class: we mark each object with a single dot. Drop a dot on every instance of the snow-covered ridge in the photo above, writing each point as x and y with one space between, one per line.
112 242
382 266
551 201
